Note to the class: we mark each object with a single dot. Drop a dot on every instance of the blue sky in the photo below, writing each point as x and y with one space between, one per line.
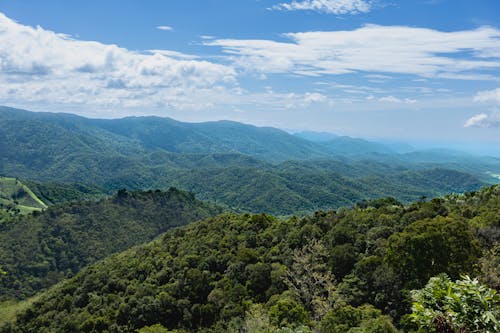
422 70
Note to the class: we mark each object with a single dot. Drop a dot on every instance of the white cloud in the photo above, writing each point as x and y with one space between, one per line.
484 120
174 54
488 96
338 7
392 99
490 119
39 66
164 28
373 49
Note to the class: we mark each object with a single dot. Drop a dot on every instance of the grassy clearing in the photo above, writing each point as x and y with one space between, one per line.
15 194
9 309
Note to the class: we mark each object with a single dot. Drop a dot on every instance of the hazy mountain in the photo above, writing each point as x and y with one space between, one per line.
316 136
231 163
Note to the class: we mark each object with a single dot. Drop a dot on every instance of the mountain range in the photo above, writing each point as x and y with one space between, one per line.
247 168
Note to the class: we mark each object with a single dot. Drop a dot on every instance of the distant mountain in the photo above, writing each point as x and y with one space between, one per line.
245 167
316 136
38 250
212 137
345 145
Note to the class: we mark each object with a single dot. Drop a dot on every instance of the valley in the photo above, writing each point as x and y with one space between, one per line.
110 232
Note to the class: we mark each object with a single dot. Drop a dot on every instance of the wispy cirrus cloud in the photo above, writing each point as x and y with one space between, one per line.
469 54
488 96
392 99
42 66
338 7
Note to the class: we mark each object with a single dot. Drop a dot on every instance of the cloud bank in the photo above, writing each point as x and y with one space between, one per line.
488 96
38 65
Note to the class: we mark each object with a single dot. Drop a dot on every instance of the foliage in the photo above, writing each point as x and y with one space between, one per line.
38 250
428 247
363 319
490 267
228 163
16 199
310 279
461 306
244 273
57 193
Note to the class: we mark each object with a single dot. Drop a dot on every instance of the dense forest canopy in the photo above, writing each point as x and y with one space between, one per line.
38 250
349 270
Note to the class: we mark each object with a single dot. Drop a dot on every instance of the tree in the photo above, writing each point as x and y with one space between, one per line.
310 279
429 247
444 306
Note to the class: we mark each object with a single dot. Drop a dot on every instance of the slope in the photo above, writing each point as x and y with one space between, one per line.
213 161
38 250
17 198
235 271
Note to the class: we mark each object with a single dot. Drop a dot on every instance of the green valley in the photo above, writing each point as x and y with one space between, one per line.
240 166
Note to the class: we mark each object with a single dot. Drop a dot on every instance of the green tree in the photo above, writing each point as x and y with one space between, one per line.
432 246
461 306
310 279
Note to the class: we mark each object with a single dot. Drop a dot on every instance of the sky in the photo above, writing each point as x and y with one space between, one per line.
415 71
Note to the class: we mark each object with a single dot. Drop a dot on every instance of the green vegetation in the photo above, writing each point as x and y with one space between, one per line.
9 309
232 164
16 198
354 270
461 306
56 193
349 270
40 249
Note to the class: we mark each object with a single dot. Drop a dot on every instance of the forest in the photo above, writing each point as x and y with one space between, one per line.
250 166
152 225
378 267
242 167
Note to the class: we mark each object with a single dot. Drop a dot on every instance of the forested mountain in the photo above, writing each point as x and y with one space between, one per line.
225 162
339 271
40 249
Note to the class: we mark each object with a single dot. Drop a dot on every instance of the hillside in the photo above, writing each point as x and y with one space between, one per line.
56 192
17 198
230 163
345 271
298 188
38 250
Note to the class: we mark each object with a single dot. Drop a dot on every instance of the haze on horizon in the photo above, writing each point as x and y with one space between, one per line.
425 72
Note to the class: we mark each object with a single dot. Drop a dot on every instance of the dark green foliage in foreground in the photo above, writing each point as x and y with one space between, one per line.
335 272
461 306
39 250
